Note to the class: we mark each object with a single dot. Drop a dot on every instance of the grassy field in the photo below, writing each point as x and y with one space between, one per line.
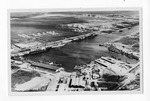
21 76
132 41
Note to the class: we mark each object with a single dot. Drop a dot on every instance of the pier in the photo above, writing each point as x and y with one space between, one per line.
36 47
44 66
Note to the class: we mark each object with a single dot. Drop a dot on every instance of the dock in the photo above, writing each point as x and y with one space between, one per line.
44 66
36 47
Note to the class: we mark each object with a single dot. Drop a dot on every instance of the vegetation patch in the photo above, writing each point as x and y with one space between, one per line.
21 76
128 40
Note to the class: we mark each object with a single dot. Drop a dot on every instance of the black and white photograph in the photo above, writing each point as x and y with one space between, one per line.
75 50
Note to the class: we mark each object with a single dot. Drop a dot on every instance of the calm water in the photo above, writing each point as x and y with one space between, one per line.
74 53
79 53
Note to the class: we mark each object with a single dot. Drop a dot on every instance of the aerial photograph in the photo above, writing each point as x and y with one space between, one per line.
70 51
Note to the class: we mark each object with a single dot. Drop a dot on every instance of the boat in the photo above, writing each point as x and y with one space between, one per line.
66 41
36 51
58 45
101 44
51 63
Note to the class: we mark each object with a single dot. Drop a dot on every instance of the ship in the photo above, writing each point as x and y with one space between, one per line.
66 41
36 51
58 45
101 44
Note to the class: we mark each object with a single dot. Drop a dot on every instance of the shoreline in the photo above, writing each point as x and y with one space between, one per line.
86 67
124 35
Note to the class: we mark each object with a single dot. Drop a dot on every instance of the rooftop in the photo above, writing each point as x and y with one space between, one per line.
115 66
45 66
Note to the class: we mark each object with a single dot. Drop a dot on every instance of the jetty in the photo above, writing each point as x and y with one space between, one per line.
21 49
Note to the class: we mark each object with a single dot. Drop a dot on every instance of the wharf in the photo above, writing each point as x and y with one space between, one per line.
39 47
44 66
